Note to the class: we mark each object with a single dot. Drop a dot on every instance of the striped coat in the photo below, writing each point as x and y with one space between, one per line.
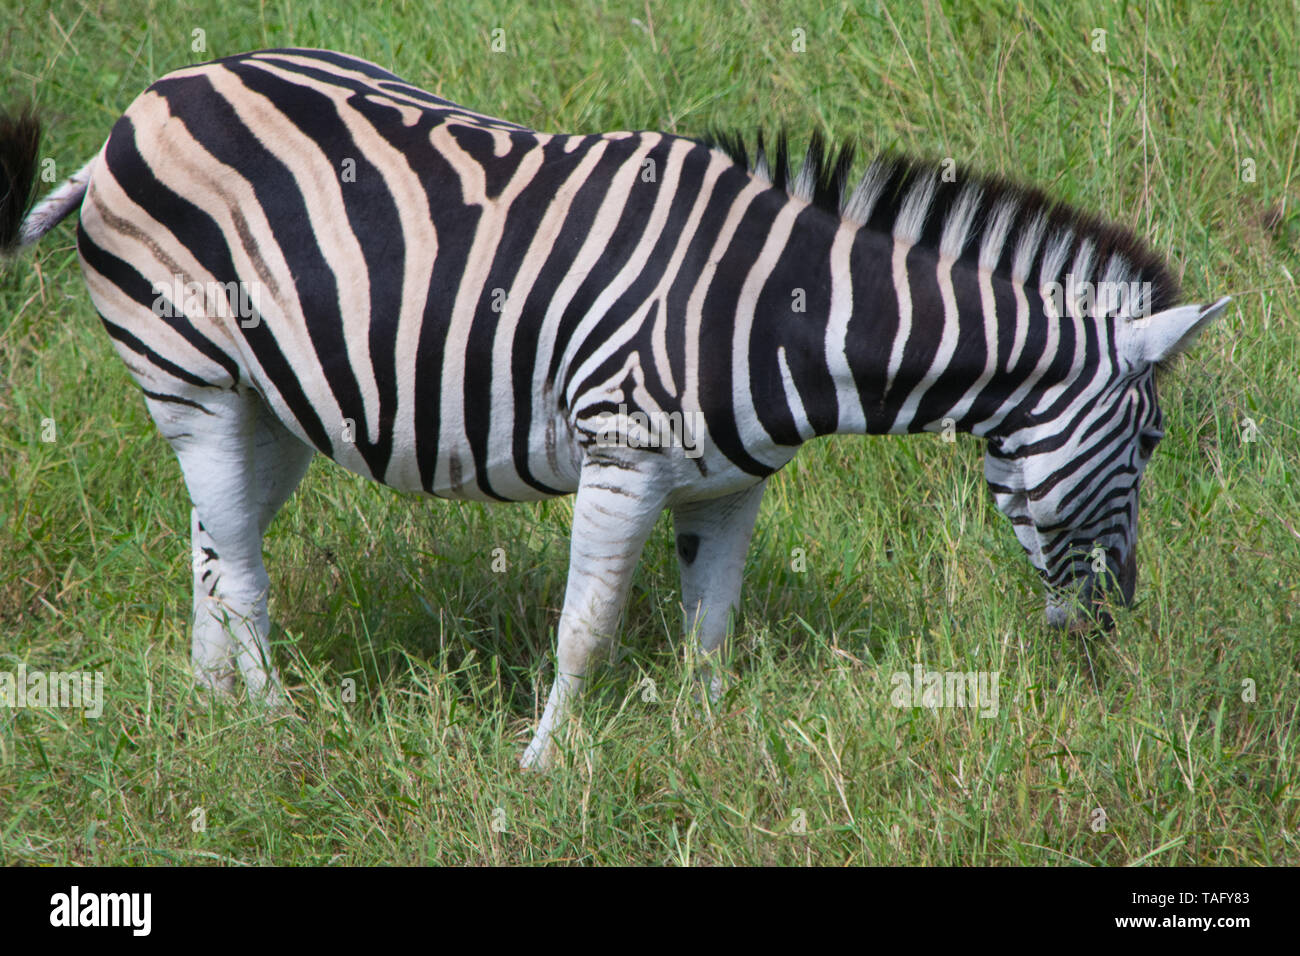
296 251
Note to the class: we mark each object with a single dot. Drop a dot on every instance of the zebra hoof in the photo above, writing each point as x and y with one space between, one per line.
215 681
271 697
710 685
538 756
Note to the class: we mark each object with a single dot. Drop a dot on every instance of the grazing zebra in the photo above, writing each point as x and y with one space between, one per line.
460 306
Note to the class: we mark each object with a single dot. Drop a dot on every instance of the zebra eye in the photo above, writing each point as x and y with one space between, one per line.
1147 442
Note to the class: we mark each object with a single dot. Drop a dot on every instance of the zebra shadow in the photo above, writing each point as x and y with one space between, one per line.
469 596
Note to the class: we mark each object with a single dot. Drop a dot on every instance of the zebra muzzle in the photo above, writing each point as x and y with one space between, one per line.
1088 603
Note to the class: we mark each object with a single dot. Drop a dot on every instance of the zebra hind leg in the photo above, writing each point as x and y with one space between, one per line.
614 511
240 465
212 652
280 460
712 540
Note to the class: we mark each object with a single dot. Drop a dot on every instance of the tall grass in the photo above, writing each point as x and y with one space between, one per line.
1174 740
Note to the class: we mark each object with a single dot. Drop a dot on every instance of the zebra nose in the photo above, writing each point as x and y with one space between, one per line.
1100 591
1058 614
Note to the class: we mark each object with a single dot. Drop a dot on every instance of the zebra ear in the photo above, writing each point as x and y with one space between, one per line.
1161 336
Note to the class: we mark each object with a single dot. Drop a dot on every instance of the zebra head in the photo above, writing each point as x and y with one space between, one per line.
1068 477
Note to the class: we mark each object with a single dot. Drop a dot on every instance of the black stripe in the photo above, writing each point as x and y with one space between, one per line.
175 400
966 364
1001 386
717 329
454 224
873 325
802 267
922 343
694 262
325 56
690 180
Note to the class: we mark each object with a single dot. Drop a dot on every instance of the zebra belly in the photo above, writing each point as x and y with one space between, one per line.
456 476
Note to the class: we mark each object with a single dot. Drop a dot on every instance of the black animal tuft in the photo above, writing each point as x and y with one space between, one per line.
20 138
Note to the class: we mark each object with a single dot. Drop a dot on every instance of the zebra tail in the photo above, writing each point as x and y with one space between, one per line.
20 138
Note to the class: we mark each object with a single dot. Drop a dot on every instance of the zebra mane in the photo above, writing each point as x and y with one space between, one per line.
946 207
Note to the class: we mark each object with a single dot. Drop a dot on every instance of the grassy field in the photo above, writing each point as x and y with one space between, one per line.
1175 740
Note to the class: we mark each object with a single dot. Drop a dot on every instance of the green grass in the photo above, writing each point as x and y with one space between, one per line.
906 558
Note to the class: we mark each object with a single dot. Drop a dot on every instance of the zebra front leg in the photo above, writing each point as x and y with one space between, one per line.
613 513
712 540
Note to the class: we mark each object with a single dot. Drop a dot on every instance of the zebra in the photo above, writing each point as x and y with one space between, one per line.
458 306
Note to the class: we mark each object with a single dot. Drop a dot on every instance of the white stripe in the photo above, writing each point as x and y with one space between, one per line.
420 241
957 226
450 109
951 243
1021 260
995 237
792 398
903 290
911 217
659 338
1052 265
995 234
943 354
192 172
1026 247
1081 270
852 419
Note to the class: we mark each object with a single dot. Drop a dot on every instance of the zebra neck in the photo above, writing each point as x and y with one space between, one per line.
915 342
